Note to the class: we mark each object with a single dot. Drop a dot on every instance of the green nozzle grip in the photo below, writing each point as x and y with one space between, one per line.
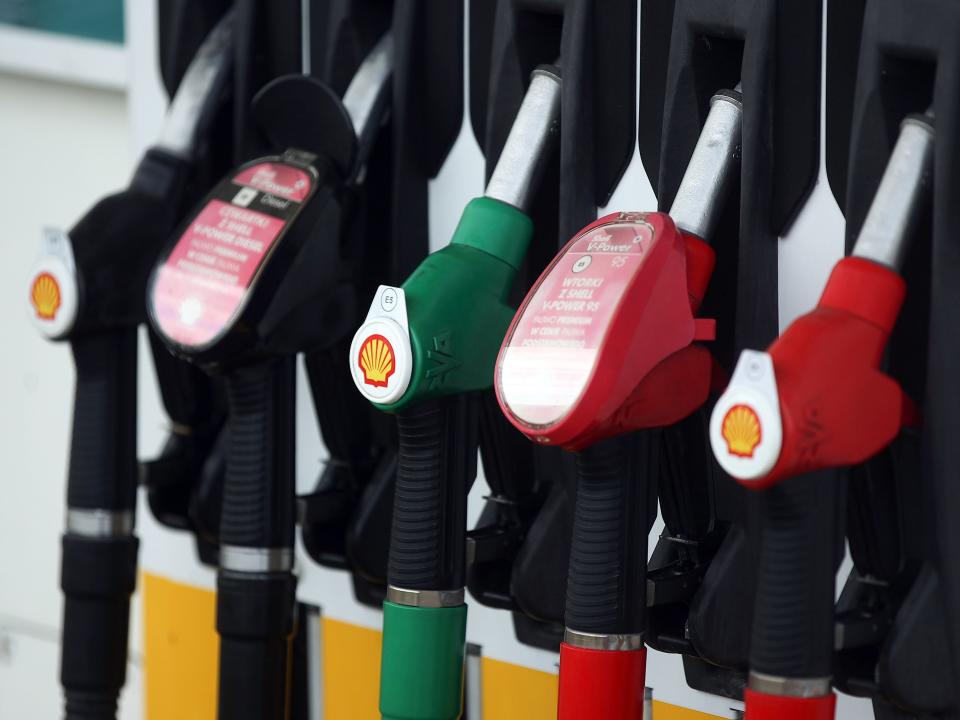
458 303
495 228
421 671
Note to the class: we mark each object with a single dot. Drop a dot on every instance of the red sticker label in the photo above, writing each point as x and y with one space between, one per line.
284 181
203 281
554 346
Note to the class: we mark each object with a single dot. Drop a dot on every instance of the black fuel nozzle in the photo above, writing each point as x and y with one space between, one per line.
360 451
87 289
243 288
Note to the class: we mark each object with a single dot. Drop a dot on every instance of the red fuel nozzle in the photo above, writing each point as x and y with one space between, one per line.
818 397
603 343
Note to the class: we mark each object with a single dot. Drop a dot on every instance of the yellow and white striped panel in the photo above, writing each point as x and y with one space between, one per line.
180 665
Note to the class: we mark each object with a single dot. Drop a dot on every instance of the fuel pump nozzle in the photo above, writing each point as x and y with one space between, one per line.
182 480
424 352
604 344
818 400
87 289
238 293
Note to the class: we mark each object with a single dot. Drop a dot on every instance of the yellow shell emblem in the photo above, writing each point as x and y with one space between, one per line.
45 296
377 361
741 430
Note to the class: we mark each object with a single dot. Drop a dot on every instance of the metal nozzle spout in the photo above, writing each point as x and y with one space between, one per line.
708 177
368 91
529 144
205 77
896 206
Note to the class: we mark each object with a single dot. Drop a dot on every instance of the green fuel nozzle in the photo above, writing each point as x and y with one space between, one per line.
439 333
424 352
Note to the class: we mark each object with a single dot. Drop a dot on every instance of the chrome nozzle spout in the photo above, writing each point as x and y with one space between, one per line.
529 143
905 186
710 173
367 95
199 90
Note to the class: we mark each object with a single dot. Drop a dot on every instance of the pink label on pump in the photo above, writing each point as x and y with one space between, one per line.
550 356
201 285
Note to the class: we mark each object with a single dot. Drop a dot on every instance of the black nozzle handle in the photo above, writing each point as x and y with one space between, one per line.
99 551
437 464
792 636
102 471
255 584
606 581
258 496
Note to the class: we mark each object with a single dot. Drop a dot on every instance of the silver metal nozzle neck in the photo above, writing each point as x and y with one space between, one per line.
710 173
528 145
896 207
369 89
205 77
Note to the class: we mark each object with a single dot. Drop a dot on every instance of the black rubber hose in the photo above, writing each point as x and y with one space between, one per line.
255 608
437 464
606 583
98 573
793 617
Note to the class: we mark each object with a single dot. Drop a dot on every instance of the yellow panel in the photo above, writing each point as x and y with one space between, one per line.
180 650
663 711
351 668
512 692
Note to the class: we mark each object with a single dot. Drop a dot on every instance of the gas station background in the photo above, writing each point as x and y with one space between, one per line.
74 115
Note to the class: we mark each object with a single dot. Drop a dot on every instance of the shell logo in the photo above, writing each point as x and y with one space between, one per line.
377 361
45 296
741 430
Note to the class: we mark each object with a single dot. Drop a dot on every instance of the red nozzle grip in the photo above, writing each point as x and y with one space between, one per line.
838 408
647 370
701 261
760 706
606 684
681 382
